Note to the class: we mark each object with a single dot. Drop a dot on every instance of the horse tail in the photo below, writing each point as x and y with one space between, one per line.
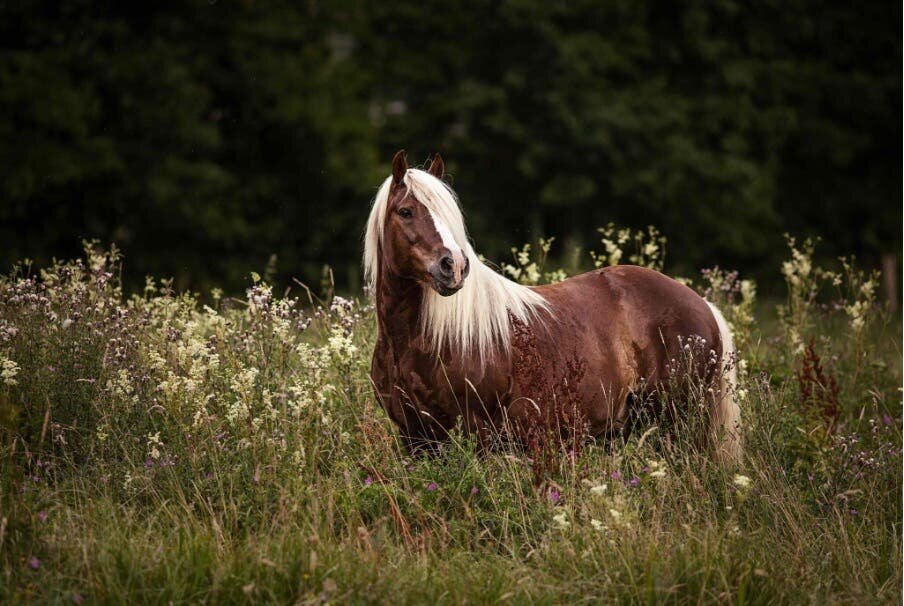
725 420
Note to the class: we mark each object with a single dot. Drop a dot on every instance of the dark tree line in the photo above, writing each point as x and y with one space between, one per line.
204 137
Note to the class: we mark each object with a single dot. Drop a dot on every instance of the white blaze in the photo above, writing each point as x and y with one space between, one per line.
449 242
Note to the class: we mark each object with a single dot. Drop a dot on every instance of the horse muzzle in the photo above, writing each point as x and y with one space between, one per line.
449 272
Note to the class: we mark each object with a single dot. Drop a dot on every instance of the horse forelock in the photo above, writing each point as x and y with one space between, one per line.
475 320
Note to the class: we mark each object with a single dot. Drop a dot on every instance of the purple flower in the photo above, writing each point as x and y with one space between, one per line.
634 481
368 481
78 598
854 511
886 418
432 486
554 495
616 475
34 563
474 490
42 515
645 469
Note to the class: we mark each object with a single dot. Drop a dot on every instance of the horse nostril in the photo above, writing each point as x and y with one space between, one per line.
447 265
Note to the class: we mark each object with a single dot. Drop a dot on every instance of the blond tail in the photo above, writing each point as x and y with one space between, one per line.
726 416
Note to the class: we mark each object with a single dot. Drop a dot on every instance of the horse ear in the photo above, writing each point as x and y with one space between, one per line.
399 167
437 167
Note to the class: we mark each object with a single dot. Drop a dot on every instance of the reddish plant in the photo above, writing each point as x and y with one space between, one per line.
818 388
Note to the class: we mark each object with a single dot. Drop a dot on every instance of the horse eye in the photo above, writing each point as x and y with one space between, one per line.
405 213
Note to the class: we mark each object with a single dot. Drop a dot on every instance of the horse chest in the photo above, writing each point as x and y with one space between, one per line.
411 383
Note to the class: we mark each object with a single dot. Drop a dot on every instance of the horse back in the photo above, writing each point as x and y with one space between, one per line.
652 316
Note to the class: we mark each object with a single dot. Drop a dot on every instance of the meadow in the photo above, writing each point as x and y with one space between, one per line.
167 447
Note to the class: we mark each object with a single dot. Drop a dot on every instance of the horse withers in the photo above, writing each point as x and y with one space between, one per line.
458 343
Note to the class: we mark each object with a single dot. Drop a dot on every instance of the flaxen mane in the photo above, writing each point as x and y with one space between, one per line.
476 319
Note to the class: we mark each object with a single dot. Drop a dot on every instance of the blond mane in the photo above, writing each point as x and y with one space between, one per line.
476 318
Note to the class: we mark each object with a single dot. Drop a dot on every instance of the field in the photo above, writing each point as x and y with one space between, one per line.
166 448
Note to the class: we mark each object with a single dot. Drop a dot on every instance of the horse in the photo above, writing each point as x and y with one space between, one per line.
459 344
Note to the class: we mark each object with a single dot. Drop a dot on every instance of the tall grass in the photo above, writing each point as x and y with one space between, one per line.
157 450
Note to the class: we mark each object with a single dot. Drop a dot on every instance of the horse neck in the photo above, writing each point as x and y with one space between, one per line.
399 302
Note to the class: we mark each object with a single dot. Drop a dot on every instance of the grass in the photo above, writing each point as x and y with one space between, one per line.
157 450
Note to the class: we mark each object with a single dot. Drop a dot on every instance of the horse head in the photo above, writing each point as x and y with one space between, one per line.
417 244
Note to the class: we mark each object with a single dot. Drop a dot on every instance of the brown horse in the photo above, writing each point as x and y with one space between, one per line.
459 343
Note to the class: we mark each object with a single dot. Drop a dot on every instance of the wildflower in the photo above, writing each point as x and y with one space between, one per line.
368 481
8 371
615 514
659 473
616 475
867 289
634 481
599 489
474 491
432 486
561 520
78 598
42 515
597 525
341 346
554 495
34 563
742 482
154 445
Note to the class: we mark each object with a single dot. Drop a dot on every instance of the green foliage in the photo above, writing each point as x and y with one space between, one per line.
205 137
158 449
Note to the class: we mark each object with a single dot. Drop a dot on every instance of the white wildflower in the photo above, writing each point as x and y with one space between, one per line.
8 371
599 489
154 445
741 481
341 346
561 520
